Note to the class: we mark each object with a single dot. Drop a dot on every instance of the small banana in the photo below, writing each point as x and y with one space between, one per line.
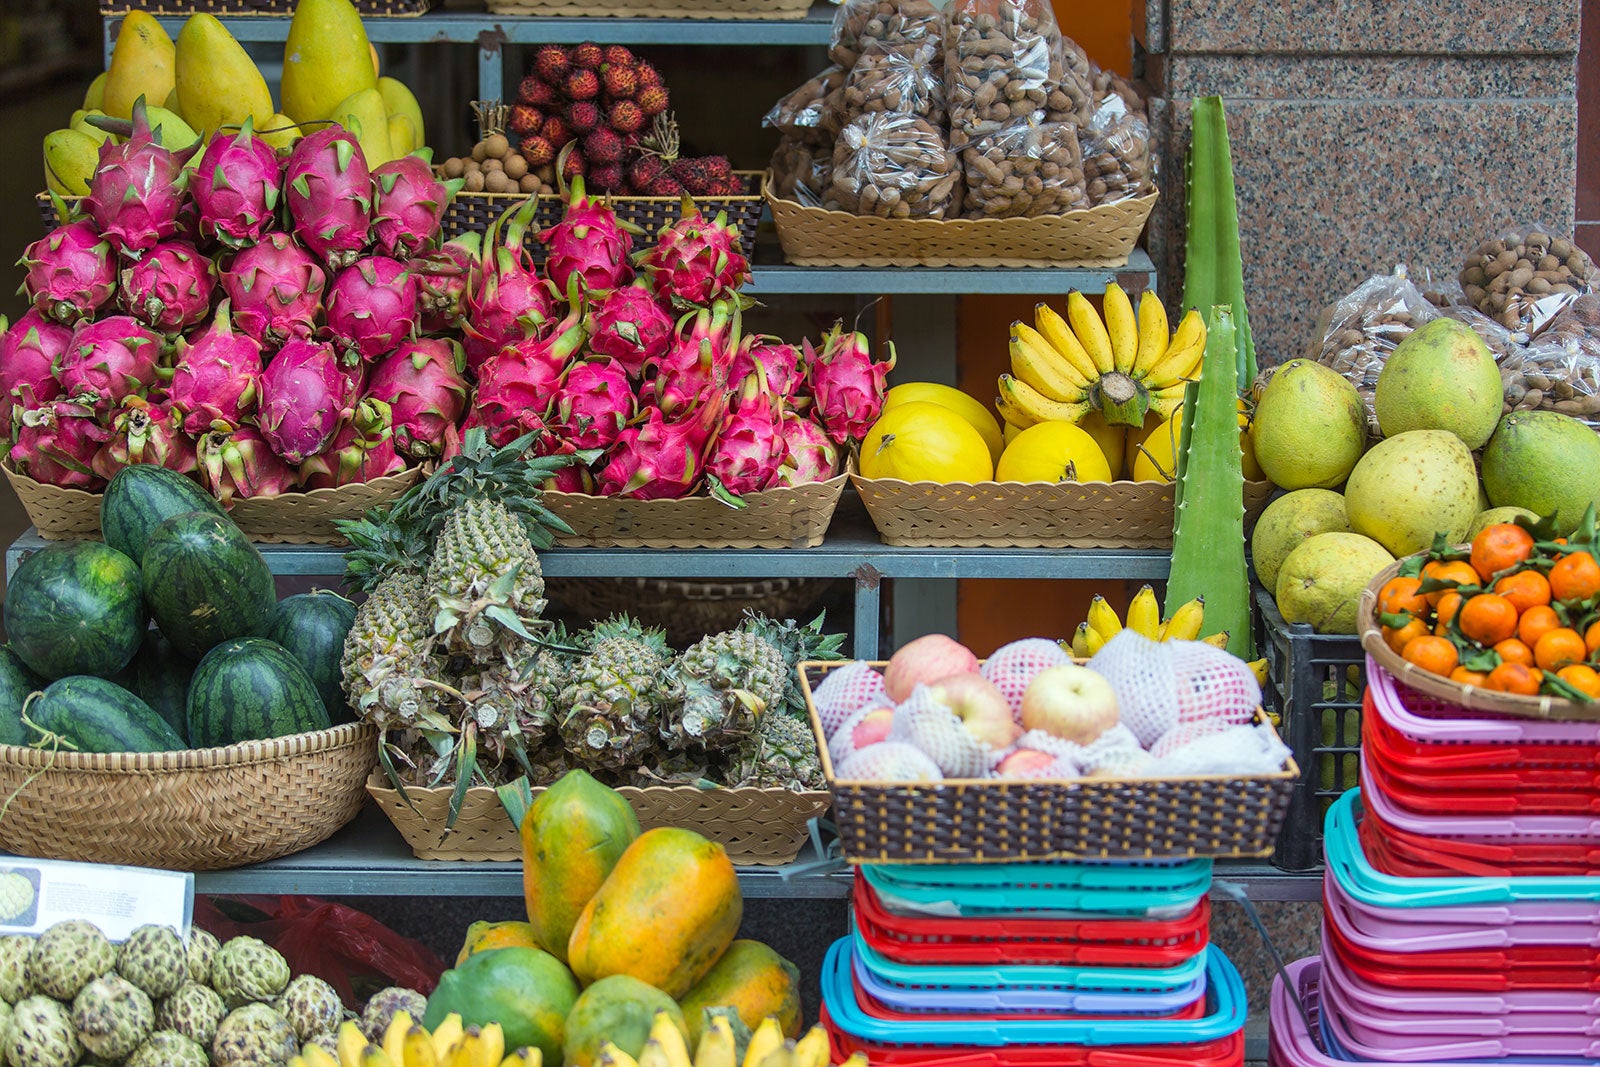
1153 334
352 1043
417 1050
812 1049
445 1036
653 1055
856 1059
314 1056
612 1056
394 1038
373 1056
1144 614
1103 618
665 1032
782 1056
524 1057
490 1047
1183 352
1090 329
1033 361
1258 667
1094 641
716 1045
1166 406
1186 621
1012 416
768 1036
1040 408
1122 326
467 1052
1216 640
1080 641
1055 329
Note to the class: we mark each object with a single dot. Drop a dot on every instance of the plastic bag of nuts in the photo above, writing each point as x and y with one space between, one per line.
1524 278
1116 152
1023 170
894 166
1560 373
857 23
1005 60
1106 83
1581 318
904 78
1359 331
814 110
802 170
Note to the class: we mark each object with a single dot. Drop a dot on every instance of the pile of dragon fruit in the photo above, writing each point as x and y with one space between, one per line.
257 321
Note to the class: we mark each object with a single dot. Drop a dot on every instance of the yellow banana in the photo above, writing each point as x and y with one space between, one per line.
1258 667
352 1042
314 1056
1153 333
490 1047
524 1057
716 1045
1187 340
1175 389
1090 329
782 1056
812 1049
465 1053
1166 406
1216 640
1080 641
373 1056
665 1033
1035 362
856 1059
394 1038
1186 621
1029 401
445 1036
1103 618
417 1051
612 1056
1055 329
1144 614
1093 641
767 1037
1122 326
653 1055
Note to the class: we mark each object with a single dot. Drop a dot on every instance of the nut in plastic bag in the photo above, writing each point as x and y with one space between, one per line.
802 170
859 23
1116 153
814 110
1579 319
894 166
1005 60
1525 277
1023 170
902 78
1364 327
1555 373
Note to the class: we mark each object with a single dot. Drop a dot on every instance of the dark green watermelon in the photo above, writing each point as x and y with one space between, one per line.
250 689
16 682
142 497
312 626
159 676
206 583
76 608
94 715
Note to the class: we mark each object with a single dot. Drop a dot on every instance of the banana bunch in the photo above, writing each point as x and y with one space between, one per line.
1123 365
1144 618
767 1048
407 1044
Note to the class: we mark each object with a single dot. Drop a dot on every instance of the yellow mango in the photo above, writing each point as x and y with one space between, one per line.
281 133
402 136
218 83
80 123
326 59
399 100
364 116
69 161
143 63
94 99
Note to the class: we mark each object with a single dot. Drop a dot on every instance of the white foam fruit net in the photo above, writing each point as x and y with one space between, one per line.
845 691
841 741
922 721
1013 666
1250 749
1067 756
1162 684
889 761
1115 754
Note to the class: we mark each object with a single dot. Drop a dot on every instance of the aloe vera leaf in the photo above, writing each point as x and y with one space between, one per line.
1208 530
1214 266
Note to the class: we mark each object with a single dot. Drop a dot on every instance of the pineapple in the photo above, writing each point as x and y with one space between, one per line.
389 649
730 679
781 755
484 582
618 695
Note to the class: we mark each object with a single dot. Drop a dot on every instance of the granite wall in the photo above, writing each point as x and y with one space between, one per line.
1364 135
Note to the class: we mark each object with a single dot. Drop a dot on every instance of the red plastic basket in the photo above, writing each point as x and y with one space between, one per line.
876 1008
1485 971
1407 855
1062 942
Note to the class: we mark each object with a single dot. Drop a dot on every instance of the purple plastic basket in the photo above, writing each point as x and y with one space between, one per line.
1003 1000
1570 1003
1564 829
1427 720
1489 927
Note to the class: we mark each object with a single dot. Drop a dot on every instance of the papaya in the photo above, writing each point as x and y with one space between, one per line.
665 915
483 936
754 981
617 1009
571 838
527 991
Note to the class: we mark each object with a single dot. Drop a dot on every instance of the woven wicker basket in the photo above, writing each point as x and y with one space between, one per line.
662 9
686 609
795 517
1470 697
1103 236
61 514
977 820
761 827
197 810
1030 514
230 8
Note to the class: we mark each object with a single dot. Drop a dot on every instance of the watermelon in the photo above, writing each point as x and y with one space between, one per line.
93 715
207 583
159 676
249 689
142 497
16 682
312 626
76 608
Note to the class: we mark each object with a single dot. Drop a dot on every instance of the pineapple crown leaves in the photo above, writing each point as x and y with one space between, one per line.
798 644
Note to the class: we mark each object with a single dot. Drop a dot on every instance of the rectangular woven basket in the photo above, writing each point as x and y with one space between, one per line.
980 820
796 517
758 827
657 9
1101 236
230 8
1030 514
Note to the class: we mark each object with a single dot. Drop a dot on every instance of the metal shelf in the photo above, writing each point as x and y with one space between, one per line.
771 277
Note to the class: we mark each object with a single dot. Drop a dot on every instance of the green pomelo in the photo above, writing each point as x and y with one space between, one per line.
1409 487
1491 516
527 991
1546 462
1441 377
1320 583
619 1009
1287 522
1309 428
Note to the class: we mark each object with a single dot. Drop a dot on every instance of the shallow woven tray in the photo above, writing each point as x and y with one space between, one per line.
977 820
662 9
1030 514
686 609
63 514
795 517
197 810
1471 697
1102 236
229 8
760 827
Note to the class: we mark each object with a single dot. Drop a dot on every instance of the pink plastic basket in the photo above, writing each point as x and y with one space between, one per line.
1522 1004
1496 926
1428 720
1563 829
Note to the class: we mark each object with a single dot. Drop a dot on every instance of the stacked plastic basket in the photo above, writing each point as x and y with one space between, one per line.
1056 964
1460 919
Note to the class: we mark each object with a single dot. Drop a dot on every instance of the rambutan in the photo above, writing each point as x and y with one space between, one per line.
588 55
626 117
732 185
552 62
666 185
573 164
717 166
695 175
619 81
556 131
524 119
607 178
645 170
536 91
603 146
583 84
619 55
653 100
646 74
536 150
583 115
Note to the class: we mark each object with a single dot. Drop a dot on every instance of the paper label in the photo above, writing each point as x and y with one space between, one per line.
36 894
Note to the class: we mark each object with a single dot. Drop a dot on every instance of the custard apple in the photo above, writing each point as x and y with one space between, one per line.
41 1035
327 1041
254 1036
311 1006
153 959
113 1017
69 956
14 952
164 1048
16 895
383 1006
193 1011
248 971
201 947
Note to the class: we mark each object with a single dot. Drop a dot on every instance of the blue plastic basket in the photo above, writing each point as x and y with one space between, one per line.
1225 1003
1133 890
1371 886
909 976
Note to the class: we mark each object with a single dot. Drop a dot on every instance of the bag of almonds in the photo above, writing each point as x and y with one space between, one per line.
1525 277
815 110
895 166
1005 60
905 78
1116 152
858 23
802 170
1359 331
1555 373
1024 169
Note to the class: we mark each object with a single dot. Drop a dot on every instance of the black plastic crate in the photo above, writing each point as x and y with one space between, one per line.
1314 687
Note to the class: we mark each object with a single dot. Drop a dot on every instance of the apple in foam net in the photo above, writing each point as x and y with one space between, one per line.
1025 763
873 727
983 710
923 662
1071 702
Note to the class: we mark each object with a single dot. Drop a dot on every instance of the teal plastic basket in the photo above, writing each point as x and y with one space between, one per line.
1105 890
915 976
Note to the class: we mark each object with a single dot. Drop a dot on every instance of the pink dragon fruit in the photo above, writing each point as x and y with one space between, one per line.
573 479
847 385
424 386
594 403
517 388
695 367
276 289
329 190
749 448
507 301
442 281
236 188
627 325
239 463
169 289
780 365
661 460
142 432
72 272
217 376
372 307
137 191
302 399
28 353
361 451
107 360
408 204
56 443
696 261
589 243
809 455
